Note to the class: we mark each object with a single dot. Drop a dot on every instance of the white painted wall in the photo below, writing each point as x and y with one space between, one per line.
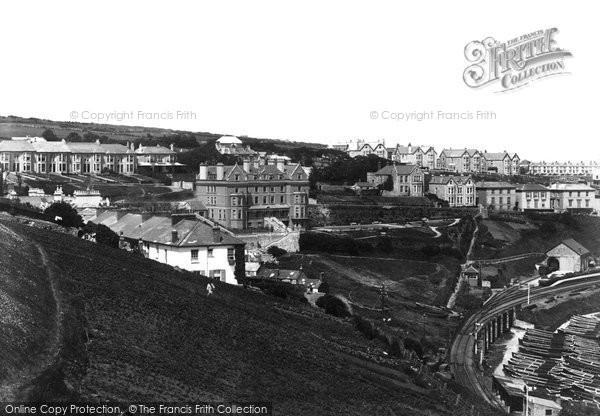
181 257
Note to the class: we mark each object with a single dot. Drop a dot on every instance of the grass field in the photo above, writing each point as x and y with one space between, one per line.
137 330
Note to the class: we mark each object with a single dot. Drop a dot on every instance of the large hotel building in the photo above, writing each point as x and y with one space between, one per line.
252 194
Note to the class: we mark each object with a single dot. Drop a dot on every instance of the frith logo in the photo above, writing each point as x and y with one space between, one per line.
516 63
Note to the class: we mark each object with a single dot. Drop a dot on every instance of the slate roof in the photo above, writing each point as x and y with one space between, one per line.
280 274
398 169
494 185
158 230
570 187
495 156
528 187
444 179
575 246
456 152
154 150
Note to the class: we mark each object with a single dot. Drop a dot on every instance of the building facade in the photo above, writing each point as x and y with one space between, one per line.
533 197
408 180
460 160
459 191
572 197
246 196
568 168
571 256
496 196
37 155
163 159
423 156
501 163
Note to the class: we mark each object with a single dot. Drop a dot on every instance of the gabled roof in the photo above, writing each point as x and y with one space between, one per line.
443 179
471 270
454 152
396 169
496 156
573 245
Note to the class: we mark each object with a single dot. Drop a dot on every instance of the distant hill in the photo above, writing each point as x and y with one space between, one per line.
131 329
14 126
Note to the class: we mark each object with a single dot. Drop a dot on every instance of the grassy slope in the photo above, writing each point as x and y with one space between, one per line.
583 228
27 311
154 334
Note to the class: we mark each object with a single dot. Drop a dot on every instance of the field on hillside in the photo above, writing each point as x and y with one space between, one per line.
537 233
136 330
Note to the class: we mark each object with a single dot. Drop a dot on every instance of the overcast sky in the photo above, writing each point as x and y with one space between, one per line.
311 71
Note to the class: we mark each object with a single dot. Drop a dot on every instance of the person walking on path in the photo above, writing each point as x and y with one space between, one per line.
209 288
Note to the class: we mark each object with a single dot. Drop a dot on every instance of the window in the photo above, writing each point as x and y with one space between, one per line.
230 255
209 252
194 256
217 274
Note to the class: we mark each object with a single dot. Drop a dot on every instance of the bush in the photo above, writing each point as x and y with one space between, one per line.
414 345
281 290
324 287
103 234
64 214
276 251
335 305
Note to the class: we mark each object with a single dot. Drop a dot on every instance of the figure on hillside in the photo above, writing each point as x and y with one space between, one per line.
209 288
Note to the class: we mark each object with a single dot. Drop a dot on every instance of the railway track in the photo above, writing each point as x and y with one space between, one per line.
462 349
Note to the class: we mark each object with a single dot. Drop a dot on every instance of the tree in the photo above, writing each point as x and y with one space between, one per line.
65 214
74 137
50 136
388 185
276 251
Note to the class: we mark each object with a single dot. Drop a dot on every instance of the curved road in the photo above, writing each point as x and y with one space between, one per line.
462 349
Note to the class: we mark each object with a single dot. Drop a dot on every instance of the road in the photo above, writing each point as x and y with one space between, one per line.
462 349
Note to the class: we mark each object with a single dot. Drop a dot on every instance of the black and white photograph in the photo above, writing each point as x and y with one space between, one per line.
293 208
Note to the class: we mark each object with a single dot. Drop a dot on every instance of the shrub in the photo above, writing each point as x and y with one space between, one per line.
414 345
281 290
276 251
335 305
104 235
324 287
64 214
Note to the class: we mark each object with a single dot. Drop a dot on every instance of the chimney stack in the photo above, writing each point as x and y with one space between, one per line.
203 172
220 171
246 165
280 164
172 147
216 232
174 236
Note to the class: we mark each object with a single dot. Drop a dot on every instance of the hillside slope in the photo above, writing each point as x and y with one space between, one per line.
135 330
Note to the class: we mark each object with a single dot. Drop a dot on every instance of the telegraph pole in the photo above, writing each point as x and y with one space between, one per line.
383 294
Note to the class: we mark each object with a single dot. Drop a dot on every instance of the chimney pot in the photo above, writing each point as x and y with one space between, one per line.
174 236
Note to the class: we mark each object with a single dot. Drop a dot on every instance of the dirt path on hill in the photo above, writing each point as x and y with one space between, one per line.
13 391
